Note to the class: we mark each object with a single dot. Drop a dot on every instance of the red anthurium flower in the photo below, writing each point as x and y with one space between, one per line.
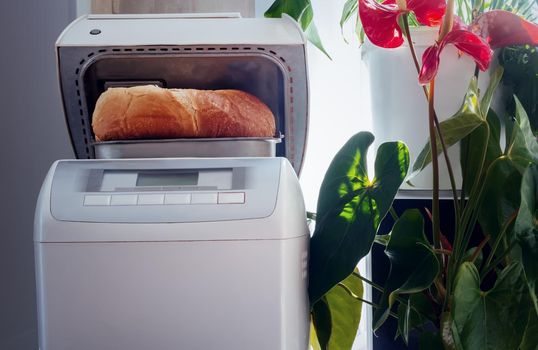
466 41
380 20
503 28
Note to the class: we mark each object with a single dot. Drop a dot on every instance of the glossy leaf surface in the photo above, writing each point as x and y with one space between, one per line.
413 264
526 229
494 319
530 338
414 314
501 195
460 125
301 11
345 314
350 209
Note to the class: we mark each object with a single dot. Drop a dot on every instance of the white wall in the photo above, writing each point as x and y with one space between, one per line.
33 135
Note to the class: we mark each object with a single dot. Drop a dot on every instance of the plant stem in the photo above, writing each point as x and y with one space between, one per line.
498 239
435 167
443 251
373 284
393 213
437 124
479 249
410 42
501 257
354 296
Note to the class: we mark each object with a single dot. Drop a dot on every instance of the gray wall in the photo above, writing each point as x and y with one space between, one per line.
32 136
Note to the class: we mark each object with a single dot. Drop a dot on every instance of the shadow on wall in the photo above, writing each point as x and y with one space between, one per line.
33 136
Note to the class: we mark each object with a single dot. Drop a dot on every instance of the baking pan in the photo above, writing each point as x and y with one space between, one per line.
203 147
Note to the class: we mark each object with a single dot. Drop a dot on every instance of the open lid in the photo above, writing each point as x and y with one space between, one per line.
262 56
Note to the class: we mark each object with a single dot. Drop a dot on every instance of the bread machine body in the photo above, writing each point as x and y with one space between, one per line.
172 254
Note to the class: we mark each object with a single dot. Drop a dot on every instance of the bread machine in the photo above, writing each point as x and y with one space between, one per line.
207 251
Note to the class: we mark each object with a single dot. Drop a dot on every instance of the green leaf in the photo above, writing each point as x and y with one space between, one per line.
321 319
523 146
314 343
455 128
472 148
501 194
344 308
430 341
301 11
349 10
414 314
526 228
479 259
473 164
404 315
350 209
490 320
414 265
530 338
500 199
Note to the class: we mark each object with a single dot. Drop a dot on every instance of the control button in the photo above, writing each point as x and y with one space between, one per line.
204 198
176 198
91 200
124 199
150 199
231 197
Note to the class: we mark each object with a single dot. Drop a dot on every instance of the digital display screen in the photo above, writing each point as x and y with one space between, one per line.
167 179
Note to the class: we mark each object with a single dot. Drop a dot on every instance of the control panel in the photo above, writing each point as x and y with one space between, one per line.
169 190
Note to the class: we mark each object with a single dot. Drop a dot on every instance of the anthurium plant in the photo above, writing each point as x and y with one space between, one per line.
475 287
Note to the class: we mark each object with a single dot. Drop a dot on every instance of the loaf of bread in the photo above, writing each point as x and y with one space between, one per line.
151 112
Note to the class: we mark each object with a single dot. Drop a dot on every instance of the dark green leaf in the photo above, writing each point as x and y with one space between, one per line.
321 318
479 258
500 199
414 314
472 148
530 338
414 266
350 209
301 11
501 194
526 229
404 315
472 159
523 146
491 320
455 128
494 142
345 315
430 341
521 79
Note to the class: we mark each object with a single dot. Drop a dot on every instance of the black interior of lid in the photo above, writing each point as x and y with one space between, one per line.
255 74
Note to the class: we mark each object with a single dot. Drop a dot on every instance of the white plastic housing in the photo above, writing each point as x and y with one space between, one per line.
236 284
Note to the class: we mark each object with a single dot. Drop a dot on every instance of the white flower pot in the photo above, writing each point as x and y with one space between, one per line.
399 107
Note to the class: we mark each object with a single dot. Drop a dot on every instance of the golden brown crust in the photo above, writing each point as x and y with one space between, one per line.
150 112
